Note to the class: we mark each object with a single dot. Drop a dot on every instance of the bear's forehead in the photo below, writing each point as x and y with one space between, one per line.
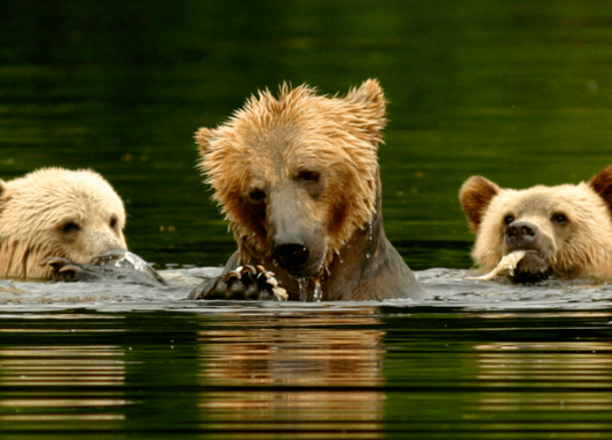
283 133
66 194
282 147
544 200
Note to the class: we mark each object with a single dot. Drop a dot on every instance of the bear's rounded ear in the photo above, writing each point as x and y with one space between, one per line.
370 109
602 184
203 137
371 95
475 195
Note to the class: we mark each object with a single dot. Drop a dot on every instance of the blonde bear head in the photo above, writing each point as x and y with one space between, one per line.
298 180
565 229
53 212
297 171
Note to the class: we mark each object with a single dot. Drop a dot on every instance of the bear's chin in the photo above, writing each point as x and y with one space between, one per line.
532 268
306 272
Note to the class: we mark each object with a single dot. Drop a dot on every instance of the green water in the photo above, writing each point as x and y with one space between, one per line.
308 372
517 90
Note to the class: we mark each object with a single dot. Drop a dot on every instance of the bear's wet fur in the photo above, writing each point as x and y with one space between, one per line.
297 178
54 212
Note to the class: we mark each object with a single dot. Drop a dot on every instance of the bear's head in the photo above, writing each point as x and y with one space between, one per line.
297 175
566 229
53 212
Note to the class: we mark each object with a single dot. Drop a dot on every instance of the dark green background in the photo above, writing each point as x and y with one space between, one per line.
518 91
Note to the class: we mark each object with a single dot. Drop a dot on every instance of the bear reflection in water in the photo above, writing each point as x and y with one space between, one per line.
298 180
563 230
321 366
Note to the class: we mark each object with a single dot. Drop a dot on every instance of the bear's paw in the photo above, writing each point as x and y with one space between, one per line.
246 283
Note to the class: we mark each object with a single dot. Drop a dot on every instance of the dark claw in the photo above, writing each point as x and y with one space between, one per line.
68 273
107 259
243 283
56 262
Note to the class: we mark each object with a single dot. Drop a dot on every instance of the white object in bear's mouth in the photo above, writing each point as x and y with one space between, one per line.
507 263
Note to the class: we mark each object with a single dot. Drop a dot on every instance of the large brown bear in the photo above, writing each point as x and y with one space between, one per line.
298 180
564 230
53 212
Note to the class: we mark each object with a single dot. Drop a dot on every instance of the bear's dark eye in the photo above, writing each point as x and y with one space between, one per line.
113 222
508 219
309 176
69 227
257 195
559 218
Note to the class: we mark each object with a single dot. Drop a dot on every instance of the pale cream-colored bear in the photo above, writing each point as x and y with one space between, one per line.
564 229
54 212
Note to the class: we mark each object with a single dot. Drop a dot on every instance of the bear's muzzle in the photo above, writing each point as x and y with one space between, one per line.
521 235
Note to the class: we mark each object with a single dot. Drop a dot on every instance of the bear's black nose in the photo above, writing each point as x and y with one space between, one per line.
521 235
290 252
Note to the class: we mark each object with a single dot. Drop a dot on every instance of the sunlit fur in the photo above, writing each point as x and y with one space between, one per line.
582 246
266 141
34 208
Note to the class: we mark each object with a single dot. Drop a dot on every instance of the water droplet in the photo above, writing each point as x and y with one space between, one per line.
341 261
368 255
303 284
318 292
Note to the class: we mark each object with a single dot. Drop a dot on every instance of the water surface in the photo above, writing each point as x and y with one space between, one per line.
337 370
516 90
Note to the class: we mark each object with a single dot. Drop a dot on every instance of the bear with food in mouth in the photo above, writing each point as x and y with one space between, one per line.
297 178
54 212
563 230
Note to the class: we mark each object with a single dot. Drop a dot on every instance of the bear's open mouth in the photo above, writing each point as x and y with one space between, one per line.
533 267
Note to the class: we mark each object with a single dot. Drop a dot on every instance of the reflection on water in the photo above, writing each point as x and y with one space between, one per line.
59 366
316 373
518 375
47 386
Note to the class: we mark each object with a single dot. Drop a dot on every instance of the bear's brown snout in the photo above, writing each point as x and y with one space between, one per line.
295 237
521 235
